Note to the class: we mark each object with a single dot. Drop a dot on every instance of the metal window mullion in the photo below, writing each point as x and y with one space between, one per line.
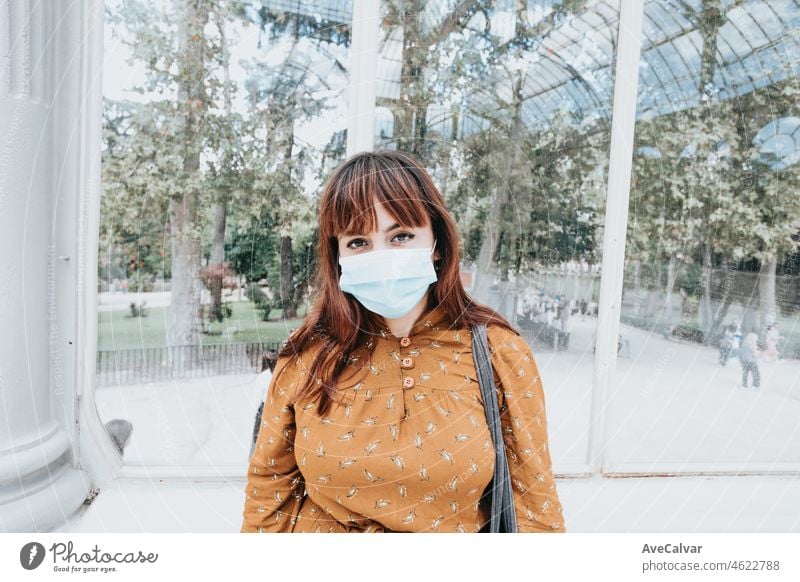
629 39
363 62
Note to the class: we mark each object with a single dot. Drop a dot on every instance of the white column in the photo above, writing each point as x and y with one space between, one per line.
363 64
623 120
45 186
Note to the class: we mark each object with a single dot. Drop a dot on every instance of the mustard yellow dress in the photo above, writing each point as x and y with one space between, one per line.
406 447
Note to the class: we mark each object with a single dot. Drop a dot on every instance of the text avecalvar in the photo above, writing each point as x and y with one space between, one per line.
671 549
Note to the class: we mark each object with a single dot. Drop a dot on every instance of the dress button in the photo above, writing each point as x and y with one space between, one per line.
405 342
408 382
407 363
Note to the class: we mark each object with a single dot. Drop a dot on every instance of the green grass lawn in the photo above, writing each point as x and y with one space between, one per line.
118 330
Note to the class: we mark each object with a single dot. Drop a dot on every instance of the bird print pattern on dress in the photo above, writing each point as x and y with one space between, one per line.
389 458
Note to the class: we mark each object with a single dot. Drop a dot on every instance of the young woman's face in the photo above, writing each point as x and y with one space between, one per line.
389 235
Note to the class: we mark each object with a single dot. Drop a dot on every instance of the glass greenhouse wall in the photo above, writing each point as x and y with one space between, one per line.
712 242
511 107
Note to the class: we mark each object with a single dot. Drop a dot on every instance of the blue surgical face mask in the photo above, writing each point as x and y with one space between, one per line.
388 282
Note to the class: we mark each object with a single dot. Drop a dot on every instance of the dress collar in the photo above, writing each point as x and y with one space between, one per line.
429 319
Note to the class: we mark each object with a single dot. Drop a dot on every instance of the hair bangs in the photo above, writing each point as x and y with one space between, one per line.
354 211
397 188
356 189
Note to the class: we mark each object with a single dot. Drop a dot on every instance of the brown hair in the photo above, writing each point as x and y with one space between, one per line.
337 321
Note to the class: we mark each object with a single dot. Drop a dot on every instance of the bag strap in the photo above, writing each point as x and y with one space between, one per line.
503 516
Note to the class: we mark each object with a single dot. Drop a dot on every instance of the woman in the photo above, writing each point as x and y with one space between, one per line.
374 421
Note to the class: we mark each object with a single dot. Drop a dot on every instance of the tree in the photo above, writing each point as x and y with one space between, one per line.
466 55
766 186
226 172
184 205
166 138
132 206
280 96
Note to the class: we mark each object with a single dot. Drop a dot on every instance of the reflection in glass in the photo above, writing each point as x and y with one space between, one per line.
710 290
509 106
220 119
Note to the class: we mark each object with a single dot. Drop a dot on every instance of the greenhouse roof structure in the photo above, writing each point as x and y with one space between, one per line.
572 59
568 69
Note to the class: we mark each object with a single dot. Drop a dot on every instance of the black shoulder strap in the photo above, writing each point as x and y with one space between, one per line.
503 516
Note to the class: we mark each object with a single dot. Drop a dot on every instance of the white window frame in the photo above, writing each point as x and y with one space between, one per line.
96 451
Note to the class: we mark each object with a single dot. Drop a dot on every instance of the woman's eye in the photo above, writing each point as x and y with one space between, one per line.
400 237
352 244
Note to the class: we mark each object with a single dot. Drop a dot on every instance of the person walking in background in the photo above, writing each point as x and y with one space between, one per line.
772 338
565 314
726 344
748 356
777 337
737 341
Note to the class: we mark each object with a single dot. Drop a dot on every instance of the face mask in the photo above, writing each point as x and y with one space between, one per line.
388 282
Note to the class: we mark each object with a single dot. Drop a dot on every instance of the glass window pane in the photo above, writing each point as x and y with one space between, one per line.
709 312
511 114
219 122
